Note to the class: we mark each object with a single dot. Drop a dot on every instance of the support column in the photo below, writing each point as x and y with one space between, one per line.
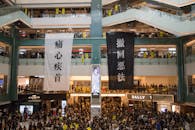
96 29
96 32
182 90
13 66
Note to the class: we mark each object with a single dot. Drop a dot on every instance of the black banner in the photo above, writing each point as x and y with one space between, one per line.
120 50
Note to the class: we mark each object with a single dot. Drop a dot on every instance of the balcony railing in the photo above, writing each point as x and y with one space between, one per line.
75 61
68 20
79 61
4 59
149 61
8 9
190 59
142 90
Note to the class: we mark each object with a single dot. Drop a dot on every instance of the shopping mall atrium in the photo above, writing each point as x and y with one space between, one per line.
161 93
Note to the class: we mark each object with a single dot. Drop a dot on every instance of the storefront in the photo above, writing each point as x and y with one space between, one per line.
156 102
41 101
76 97
140 101
164 102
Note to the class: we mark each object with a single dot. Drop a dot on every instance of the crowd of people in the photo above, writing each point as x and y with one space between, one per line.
114 116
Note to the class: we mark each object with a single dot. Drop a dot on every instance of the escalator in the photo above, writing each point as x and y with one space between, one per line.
174 24
9 15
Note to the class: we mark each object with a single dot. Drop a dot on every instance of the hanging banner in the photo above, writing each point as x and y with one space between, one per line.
95 80
120 50
58 50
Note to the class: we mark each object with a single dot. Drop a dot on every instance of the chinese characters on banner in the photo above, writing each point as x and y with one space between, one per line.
58 50
120 49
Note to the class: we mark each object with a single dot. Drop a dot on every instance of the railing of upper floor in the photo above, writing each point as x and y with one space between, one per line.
10 15
189 16
8 9
181 17
4 59
190 59
68 20
109 12
171 23
180 1
87 61
175 2
84 18
144 89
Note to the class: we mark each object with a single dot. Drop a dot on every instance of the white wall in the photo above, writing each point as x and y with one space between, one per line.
85 70
149 70
30 70
81 70
79 21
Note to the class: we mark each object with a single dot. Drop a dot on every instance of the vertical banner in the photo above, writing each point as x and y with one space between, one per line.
95 80
95 90
58 50
120 50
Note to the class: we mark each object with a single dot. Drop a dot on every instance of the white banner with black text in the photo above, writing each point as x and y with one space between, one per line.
58 51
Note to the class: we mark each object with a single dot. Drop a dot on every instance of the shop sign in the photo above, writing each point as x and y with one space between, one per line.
139 97
34 97
36 100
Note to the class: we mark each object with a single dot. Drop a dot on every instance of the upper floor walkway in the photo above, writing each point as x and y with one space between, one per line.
174 24
176 3
86 3
143 66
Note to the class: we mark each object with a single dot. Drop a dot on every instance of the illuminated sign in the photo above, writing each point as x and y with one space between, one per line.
34 97
153 97
139 97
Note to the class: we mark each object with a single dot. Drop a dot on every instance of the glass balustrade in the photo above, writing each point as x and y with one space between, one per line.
80 61
75 61
7 10
4 60
190 59
159 13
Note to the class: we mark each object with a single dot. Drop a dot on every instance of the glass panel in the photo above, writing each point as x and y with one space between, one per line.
3 84
6 10
191 84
